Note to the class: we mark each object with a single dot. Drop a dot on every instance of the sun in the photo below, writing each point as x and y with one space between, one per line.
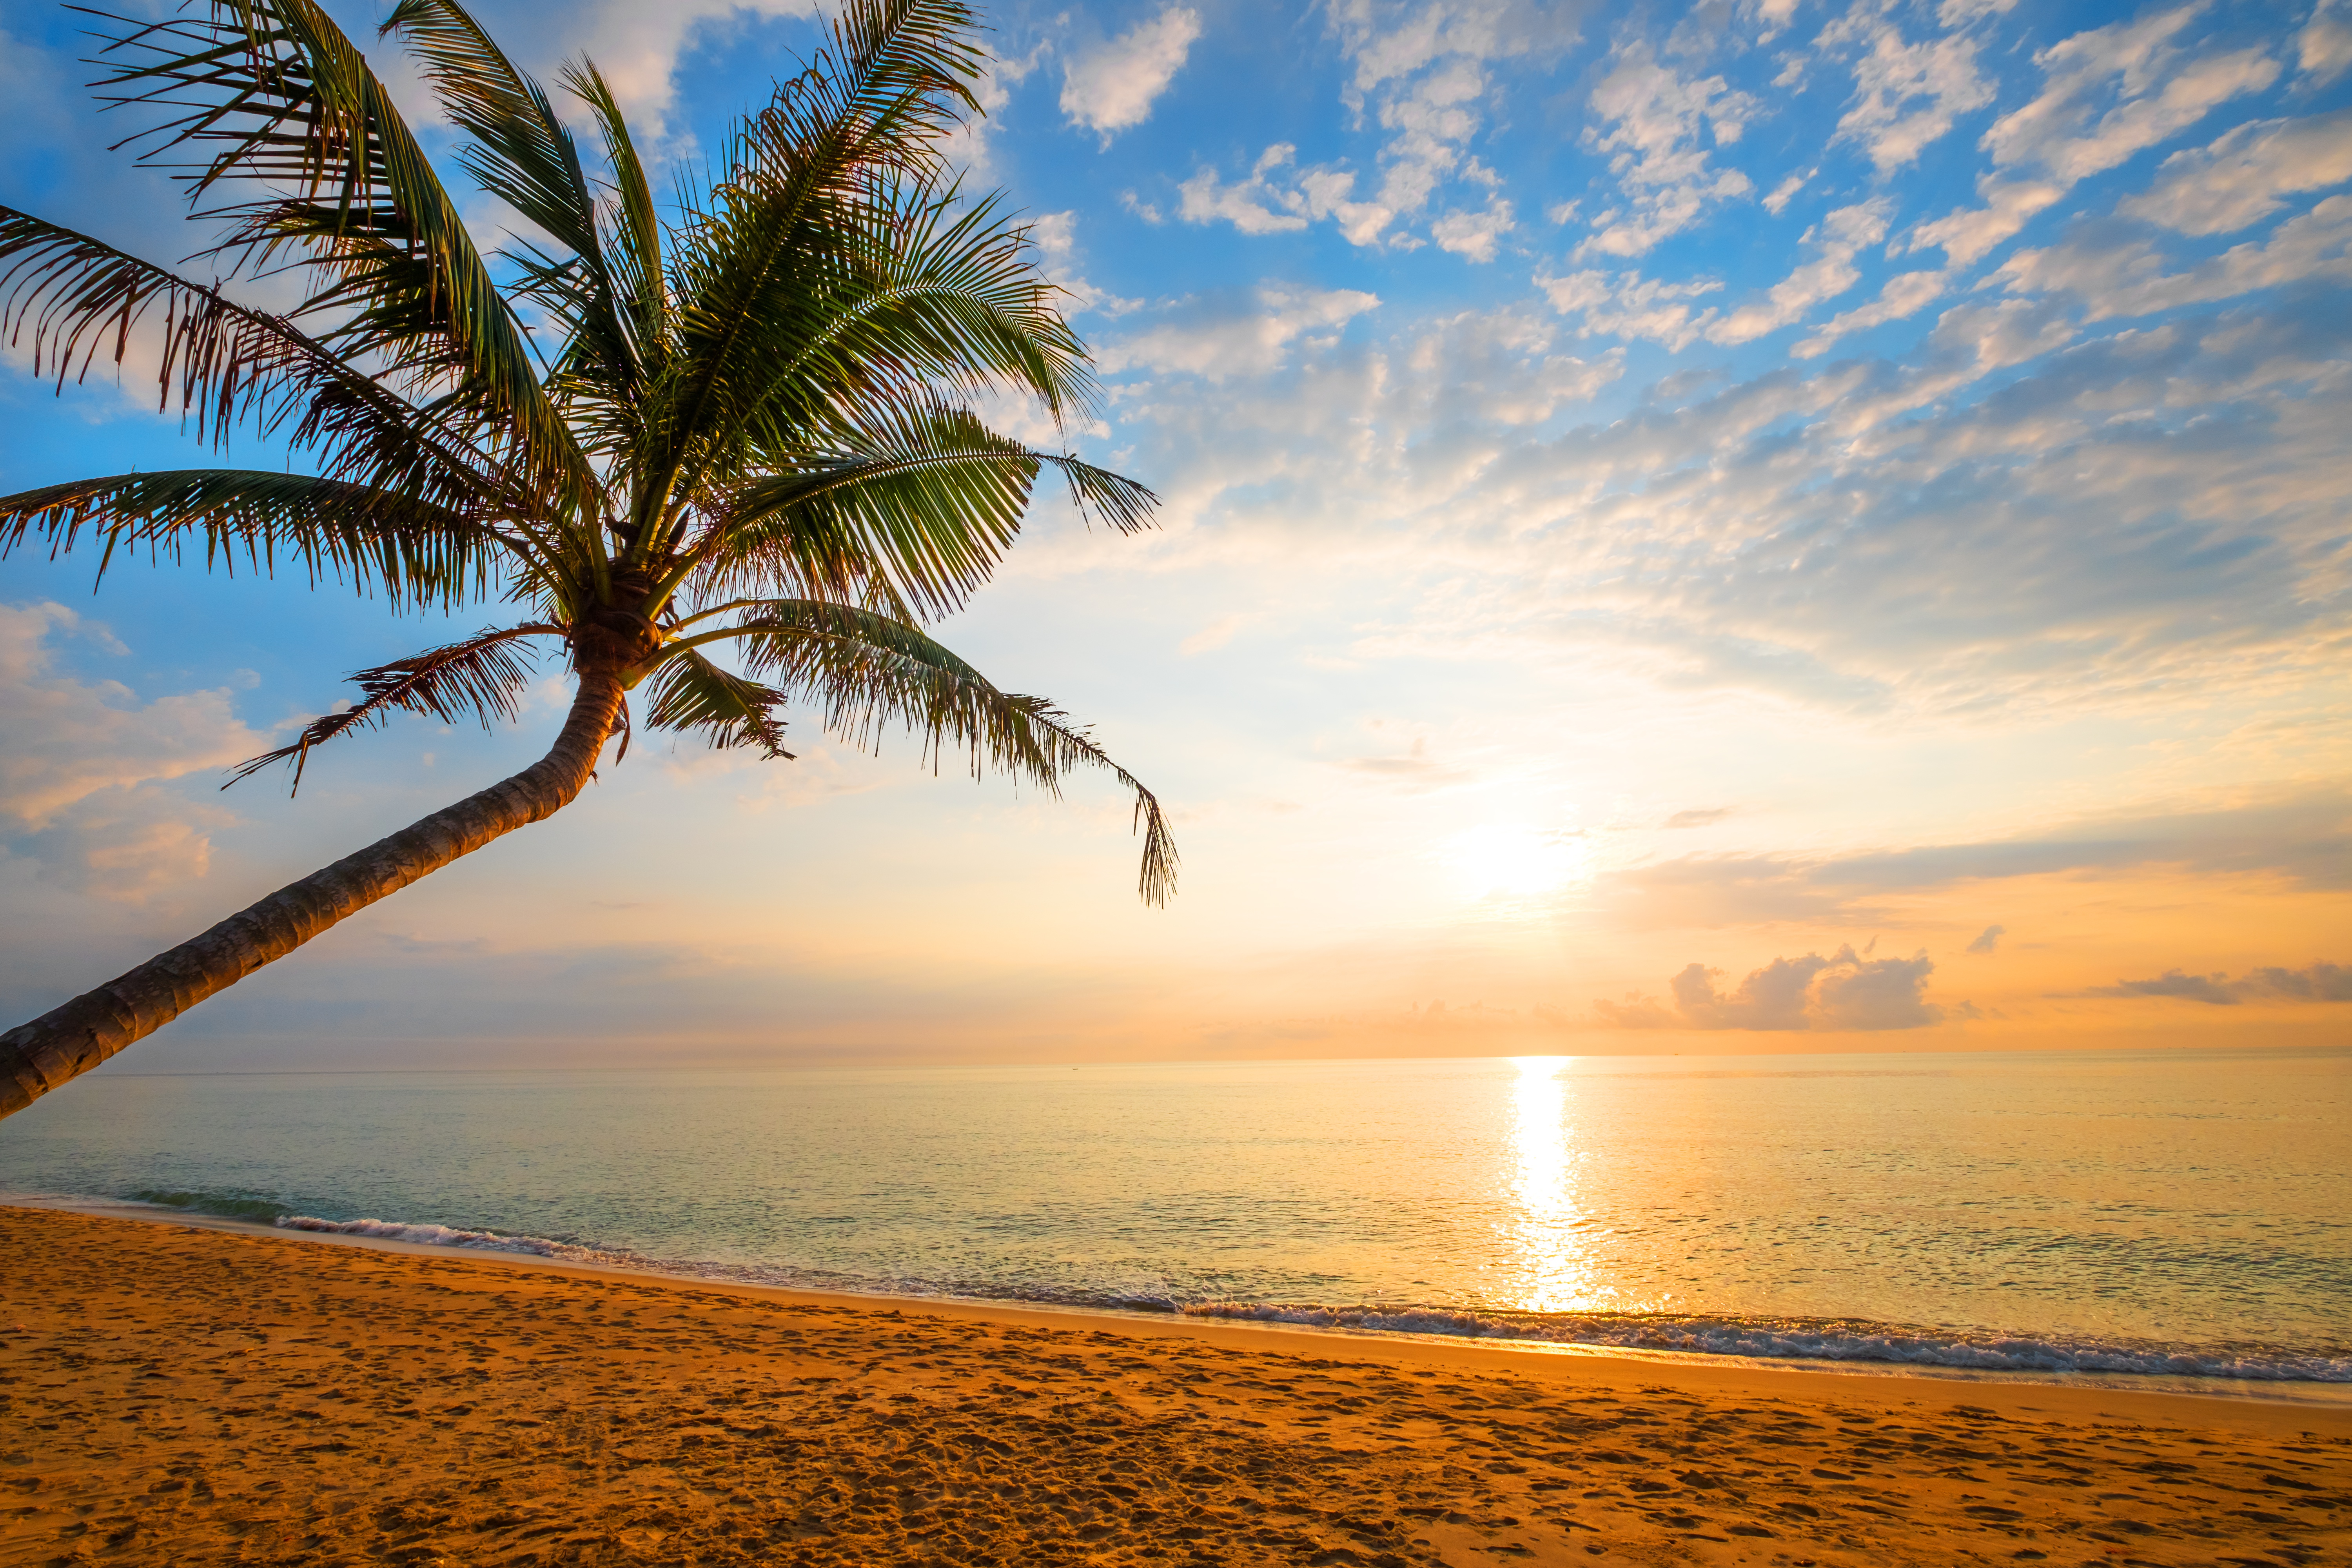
1511 860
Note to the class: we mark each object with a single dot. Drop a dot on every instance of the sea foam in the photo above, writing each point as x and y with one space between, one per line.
447 1236
1770 1338
1807 1339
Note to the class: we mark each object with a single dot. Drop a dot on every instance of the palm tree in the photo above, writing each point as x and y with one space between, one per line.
751 429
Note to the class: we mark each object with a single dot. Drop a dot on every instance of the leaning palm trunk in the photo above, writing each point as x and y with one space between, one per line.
750 435
67 1042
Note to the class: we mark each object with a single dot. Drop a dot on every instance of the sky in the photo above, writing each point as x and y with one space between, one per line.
1759 526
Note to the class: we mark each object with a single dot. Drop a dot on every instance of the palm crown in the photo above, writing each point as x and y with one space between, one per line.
747 429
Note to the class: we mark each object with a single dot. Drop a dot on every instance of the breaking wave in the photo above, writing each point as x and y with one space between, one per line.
447 1236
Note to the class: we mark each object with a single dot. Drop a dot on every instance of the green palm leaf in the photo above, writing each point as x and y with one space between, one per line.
795 178
378 540
689 693
69 298
280 98
523 154
635 248
870 675
483 678
916 511
910 294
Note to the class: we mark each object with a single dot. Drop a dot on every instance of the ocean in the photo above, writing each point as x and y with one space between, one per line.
2176 1215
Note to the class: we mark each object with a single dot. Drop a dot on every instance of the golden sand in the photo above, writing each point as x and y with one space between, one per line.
184 1395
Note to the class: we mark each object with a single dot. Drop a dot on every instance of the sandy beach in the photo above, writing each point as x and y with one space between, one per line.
184 1396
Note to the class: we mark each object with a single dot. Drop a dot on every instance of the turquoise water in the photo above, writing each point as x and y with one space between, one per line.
2155 1211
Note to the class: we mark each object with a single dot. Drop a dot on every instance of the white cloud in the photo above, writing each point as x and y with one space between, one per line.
1419 69
126 845
635 46
1830 272
2317 983
2107 93
1219 344
1473 234
80 755
1112 87
2239 178
1631 306
2324 47
1901 296
1389 41
2298 834
1056 235
1907 95
1275 200
2112 91
2017 522
1433 121
1498 365
1328 192
69 739
1657 119
1959 13
1778 201
1254 205
1968 233
1214 636
1874 994
2129 278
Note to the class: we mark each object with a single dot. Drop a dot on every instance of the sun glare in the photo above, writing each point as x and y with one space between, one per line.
1551 1252
1512 861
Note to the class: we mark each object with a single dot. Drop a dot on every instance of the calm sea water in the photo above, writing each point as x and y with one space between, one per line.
2174 1213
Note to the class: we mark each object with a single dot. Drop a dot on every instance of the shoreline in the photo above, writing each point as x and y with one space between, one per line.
226 1396
2282 1392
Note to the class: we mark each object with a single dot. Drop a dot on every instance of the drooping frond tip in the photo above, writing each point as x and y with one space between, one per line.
688 692
870 675
482 678
1156 882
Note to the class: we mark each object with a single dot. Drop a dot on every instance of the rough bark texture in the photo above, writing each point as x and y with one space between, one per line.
63 1044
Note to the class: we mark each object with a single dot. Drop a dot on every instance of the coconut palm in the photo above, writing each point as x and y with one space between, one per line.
746 430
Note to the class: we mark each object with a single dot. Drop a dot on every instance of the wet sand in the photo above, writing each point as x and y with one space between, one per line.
184 1396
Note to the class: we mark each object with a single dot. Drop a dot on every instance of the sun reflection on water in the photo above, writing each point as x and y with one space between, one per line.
1553 1256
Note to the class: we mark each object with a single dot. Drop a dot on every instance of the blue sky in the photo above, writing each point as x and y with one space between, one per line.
1744 526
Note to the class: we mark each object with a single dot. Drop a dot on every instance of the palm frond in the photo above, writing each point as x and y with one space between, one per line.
522 154
909 293
483 678
633 250
869 674
687 692
899 76
271 93
413 552
69 299
922 506
794 176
